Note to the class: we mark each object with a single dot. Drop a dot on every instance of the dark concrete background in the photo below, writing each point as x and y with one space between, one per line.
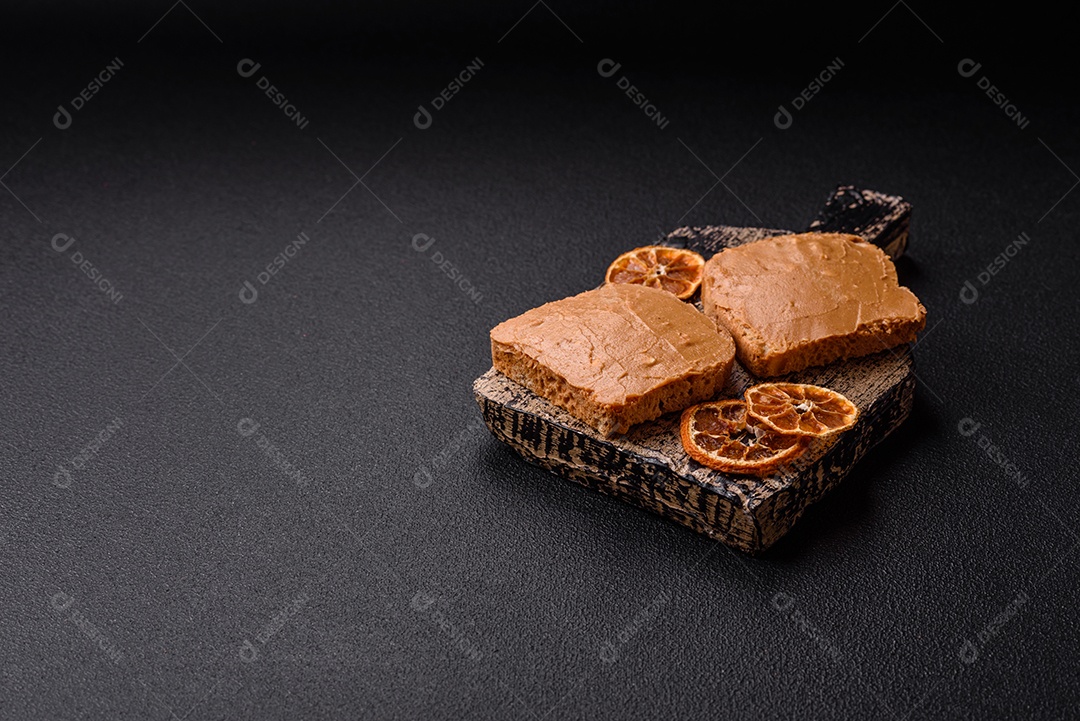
369 551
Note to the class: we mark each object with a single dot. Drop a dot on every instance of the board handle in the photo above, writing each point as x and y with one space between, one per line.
879 218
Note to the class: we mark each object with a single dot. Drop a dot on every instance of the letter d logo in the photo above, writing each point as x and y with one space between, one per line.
246 427
422 601
64 238
969 293
247 67
782 601
62 477
422 478
248 294
248 652
62 118
968 427
783 119
61 601
607 67
422 119
421 242
968 67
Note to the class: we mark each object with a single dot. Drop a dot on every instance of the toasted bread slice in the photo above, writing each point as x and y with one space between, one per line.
796 301
615 356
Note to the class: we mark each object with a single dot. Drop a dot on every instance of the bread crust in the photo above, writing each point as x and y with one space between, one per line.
608 419
870 338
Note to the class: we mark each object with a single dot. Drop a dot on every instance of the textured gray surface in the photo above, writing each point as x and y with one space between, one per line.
497 590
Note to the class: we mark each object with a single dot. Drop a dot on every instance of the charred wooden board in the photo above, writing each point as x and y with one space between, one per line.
648 466
882 219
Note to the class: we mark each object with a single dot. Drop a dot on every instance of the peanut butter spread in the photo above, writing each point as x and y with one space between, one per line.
793 289
620 341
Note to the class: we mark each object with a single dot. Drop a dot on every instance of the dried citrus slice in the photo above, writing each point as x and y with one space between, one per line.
675 270
800 409
722 436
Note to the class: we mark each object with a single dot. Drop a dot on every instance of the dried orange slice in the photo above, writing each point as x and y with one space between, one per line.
722 436
800 409
675 270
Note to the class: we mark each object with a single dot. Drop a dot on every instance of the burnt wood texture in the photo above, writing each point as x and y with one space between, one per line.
648 466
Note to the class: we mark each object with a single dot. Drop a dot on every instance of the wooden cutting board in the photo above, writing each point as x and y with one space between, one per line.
648 466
